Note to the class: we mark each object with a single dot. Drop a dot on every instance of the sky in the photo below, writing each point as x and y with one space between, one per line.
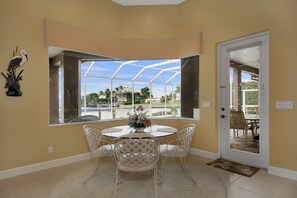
244 76
98 77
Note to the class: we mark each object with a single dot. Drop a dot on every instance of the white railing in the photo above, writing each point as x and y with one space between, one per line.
245 106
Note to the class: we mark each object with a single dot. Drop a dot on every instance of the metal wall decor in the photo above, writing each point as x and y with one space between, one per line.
12 79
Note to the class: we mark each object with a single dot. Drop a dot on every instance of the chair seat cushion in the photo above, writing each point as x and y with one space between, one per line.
169 150
106 150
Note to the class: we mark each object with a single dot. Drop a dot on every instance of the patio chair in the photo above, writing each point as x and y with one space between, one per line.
180 149
97 145
238 122
136 152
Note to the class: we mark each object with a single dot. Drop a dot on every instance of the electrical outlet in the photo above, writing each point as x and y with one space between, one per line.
50 149
206 103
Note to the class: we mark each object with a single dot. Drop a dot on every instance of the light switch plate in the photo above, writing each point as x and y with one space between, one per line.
289 105
284 105
278 105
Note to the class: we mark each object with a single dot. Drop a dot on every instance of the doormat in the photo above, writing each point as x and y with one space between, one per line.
234 167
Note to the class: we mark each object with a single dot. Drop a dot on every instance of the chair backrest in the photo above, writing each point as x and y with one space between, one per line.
237 120
185 134
136 150
93 135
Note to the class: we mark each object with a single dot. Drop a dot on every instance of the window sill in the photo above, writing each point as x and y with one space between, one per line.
121 119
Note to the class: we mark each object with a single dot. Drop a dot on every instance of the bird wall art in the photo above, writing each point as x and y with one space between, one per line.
12 78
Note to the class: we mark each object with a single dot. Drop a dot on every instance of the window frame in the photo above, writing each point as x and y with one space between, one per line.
133 104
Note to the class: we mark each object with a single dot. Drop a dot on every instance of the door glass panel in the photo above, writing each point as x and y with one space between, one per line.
244 100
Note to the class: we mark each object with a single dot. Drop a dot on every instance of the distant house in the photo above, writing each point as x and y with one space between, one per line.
152 99
121 95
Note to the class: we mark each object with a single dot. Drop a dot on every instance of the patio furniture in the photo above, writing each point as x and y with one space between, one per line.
253 124
155 130
238 122
136 152
97 145
180 149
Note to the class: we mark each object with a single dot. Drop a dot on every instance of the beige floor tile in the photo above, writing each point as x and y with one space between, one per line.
227 176
39 184
261 183
237 192
287 190
198 159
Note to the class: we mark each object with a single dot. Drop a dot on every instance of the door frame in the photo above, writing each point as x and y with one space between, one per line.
261 159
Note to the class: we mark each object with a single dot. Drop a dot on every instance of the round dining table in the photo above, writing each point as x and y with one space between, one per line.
155 130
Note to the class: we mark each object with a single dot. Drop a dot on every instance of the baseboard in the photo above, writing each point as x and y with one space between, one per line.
203 153
43 165
281 172
289 174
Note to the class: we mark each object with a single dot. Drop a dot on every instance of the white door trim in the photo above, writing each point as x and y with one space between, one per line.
263 39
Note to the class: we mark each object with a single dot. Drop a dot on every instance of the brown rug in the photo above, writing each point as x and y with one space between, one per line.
234 167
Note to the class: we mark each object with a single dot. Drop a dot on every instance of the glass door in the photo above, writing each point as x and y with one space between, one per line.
243 99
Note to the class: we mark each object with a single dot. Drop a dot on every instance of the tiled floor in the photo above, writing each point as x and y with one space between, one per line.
237 142
39 184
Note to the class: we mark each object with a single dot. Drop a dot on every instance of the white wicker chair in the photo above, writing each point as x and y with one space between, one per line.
136 152
180 149
98 146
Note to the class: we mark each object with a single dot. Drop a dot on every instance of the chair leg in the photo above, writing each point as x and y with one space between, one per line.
155 181
159 170
116 183
246 136
95 159
185 170
95 167
95 163
233 133
161 165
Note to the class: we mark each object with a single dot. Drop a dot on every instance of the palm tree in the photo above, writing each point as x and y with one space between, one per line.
107 94
145 92
92 99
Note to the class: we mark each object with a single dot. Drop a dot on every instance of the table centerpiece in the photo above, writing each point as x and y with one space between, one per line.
138 120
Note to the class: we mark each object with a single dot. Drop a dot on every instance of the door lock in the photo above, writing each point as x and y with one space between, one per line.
223 116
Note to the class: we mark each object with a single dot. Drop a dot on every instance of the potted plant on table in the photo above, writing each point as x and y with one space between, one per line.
138 120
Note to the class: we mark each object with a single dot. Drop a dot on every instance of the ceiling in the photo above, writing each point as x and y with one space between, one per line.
247 56
147 2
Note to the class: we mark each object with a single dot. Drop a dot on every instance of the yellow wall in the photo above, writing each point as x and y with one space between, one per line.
224 20
24 131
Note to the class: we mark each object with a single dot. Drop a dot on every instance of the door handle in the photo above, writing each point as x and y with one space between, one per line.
223 116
